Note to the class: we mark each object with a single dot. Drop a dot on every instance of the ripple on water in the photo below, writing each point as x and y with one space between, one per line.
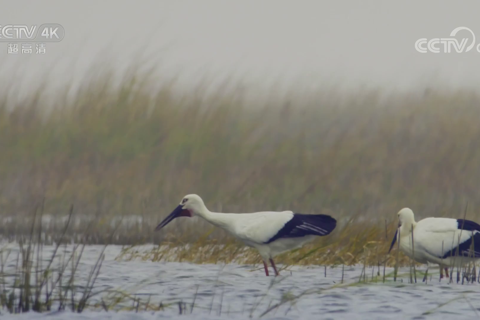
336 296
386 309
336 304
338 311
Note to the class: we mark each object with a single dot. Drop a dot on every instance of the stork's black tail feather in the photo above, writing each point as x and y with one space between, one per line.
302 225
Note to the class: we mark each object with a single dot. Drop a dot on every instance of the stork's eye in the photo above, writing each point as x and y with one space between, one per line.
184 200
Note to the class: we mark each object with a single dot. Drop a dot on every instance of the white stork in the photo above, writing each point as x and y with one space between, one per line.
443 241
270 232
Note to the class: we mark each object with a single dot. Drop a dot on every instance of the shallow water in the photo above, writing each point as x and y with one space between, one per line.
243 291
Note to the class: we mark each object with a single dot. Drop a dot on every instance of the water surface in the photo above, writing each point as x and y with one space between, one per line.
243 291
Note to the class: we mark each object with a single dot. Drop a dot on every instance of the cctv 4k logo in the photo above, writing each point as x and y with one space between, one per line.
461 40
47 32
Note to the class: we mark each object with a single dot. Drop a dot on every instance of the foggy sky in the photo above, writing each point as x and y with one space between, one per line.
312 43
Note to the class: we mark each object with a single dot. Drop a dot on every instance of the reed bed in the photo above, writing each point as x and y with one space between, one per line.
124 154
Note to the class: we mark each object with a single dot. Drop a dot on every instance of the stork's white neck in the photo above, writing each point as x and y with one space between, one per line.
407 227
222 220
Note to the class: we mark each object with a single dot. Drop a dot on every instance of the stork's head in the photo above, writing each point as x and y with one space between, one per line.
405 217
188 207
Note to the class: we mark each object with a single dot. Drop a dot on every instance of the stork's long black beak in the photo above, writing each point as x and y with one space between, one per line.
393 241
178 212
394 237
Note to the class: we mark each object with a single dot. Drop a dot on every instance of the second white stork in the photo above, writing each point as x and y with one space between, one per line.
443 241
270 232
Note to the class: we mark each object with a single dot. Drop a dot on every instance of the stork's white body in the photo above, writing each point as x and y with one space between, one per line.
443 241
433 239
270 232
256 229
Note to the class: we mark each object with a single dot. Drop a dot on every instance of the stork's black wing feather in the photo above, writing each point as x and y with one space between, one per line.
468 225
302 225
468 248
471 246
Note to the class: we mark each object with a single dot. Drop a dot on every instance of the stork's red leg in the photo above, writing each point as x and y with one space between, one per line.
446 272
441 272
266 268
274 267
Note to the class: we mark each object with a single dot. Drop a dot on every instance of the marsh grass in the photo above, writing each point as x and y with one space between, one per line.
31 280
349 245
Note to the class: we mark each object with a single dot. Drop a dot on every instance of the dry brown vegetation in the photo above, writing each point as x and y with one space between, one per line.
124 157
